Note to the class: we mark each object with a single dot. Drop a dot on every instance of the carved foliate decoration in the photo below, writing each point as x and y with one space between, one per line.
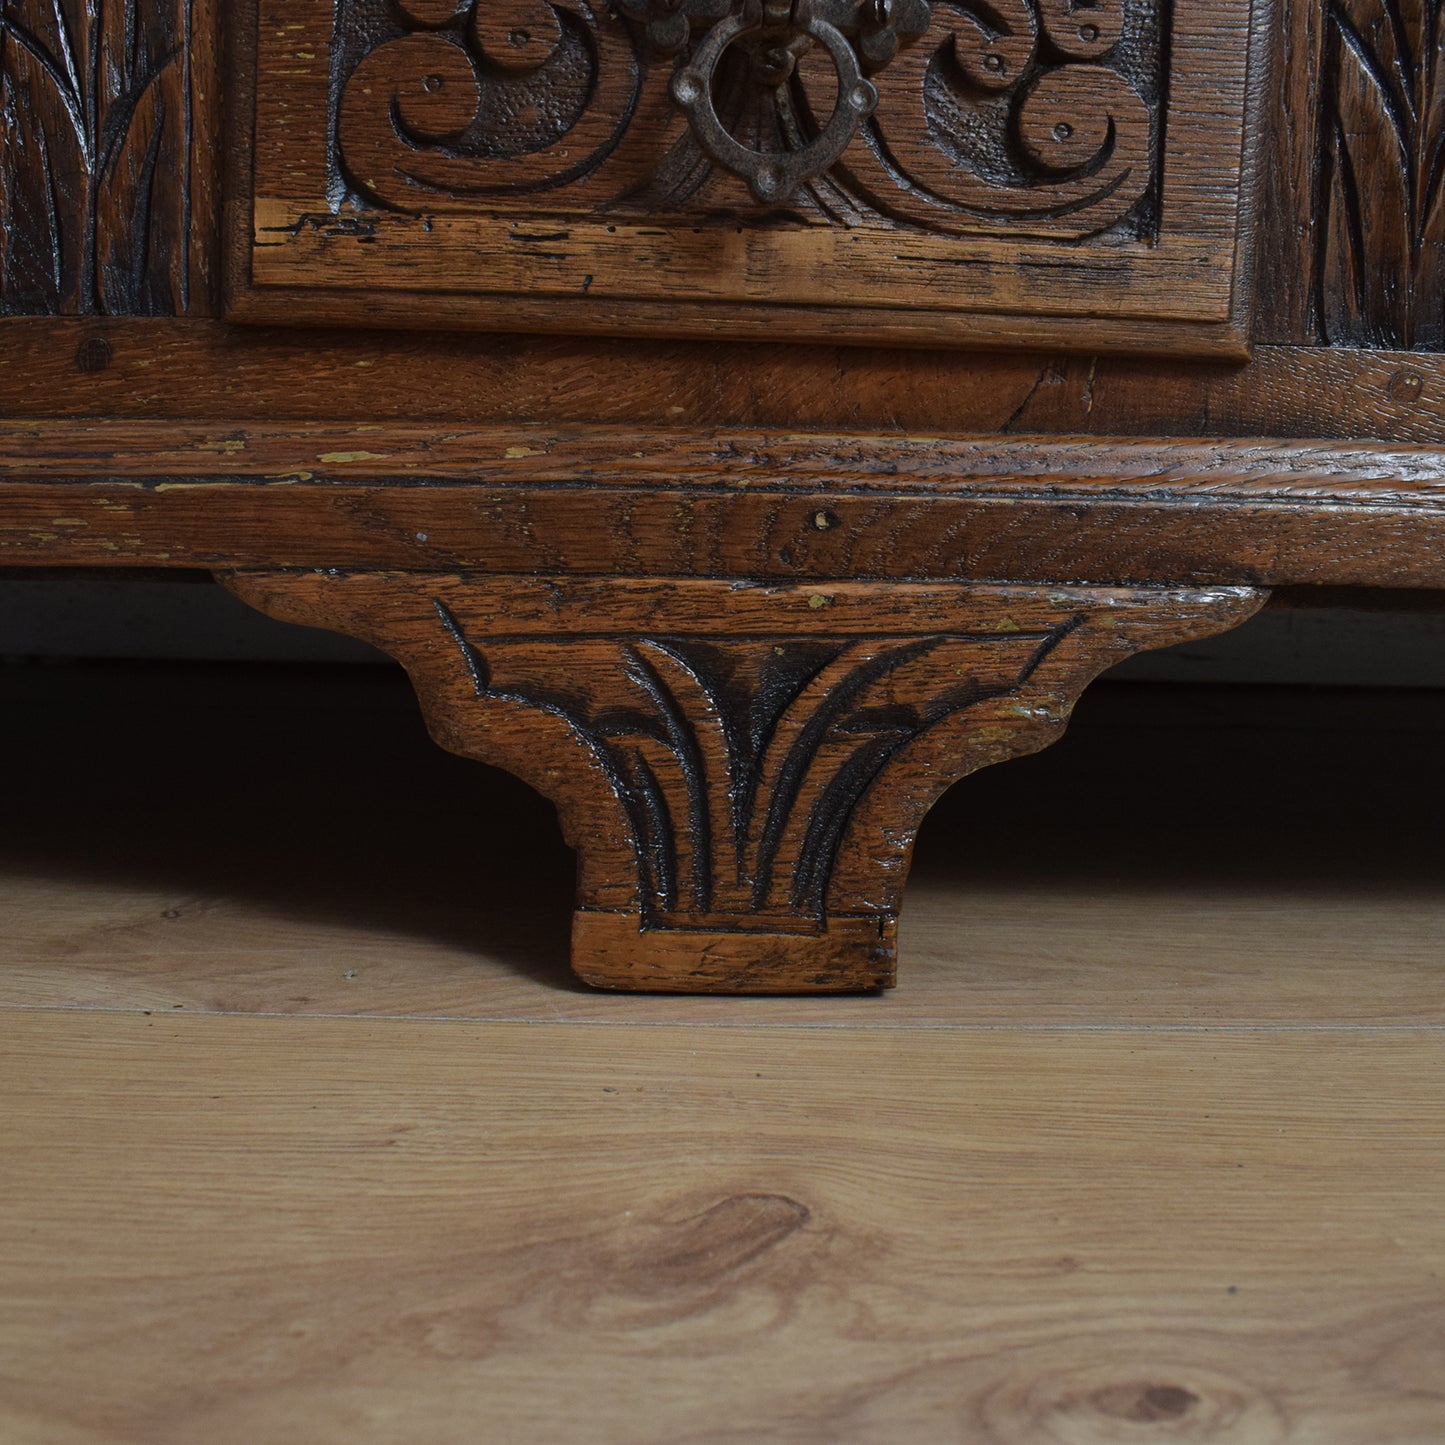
739 762
1382 264
1014 115
95 159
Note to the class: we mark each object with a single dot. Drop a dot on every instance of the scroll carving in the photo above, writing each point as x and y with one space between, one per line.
1013 116
95 160
1382 264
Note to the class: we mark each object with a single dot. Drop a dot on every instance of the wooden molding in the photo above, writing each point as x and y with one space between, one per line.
767 505
206 372
739 459
742 768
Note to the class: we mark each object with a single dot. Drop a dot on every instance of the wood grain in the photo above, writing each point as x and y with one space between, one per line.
742 769
154 454
323 1230
1148 1149
780 506
1351 226
358 870
1382 174
1288 216
209 372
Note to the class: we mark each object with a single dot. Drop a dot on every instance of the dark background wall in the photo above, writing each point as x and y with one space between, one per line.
187 616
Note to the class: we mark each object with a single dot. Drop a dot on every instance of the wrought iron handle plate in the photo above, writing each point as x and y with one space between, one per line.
784 28
773 176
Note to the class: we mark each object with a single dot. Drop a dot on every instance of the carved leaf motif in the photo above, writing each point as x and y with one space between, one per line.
95 159
739 764
1382 271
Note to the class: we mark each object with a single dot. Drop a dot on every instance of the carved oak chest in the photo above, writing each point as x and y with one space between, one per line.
743 418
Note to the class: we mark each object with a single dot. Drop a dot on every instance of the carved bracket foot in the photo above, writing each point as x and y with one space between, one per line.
742 769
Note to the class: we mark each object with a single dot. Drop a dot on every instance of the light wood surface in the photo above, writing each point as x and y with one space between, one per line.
302 1230
308 1138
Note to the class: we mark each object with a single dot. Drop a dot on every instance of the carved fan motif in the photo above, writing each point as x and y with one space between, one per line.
739 763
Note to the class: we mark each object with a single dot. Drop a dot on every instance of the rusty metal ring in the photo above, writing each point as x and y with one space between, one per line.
773 176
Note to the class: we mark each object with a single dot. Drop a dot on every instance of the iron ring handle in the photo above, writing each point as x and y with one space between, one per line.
773 176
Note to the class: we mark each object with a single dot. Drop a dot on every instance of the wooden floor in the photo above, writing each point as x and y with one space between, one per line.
307 1137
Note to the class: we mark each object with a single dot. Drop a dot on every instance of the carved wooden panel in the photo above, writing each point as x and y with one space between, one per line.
1035 170
1382 247
102 189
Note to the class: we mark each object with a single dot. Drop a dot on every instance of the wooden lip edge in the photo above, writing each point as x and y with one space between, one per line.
1223 340
372 273
324 456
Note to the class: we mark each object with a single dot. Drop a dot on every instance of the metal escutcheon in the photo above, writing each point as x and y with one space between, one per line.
773 176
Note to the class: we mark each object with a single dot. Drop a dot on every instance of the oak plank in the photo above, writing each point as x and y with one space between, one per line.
737 503
980 954
171 455
207 371
760 535
1148 1148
